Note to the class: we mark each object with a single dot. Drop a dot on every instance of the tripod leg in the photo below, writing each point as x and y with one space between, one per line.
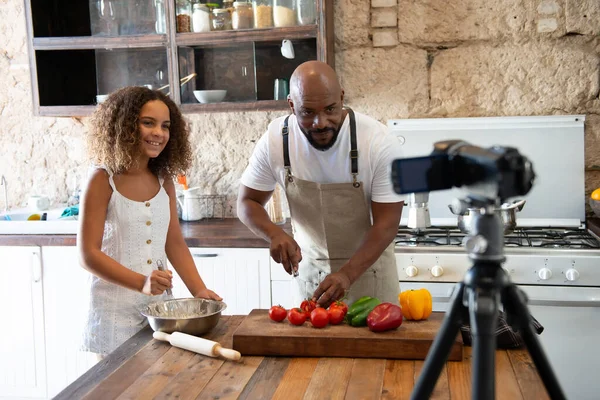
515 304
438 353
483 313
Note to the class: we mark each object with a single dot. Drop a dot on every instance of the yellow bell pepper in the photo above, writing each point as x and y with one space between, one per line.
415 304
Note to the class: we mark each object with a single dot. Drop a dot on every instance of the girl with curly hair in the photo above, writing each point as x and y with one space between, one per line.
128 219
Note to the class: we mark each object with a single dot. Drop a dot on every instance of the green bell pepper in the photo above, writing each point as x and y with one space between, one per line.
358 312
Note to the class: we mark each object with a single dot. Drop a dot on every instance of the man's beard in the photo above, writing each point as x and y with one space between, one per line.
315 144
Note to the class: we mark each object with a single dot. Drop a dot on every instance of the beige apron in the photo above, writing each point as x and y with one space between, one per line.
329 222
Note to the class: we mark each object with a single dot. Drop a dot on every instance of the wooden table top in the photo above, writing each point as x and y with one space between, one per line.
144 368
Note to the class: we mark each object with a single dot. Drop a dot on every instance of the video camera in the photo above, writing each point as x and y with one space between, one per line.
496 173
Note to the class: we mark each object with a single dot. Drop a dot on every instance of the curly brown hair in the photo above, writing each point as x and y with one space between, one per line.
114 138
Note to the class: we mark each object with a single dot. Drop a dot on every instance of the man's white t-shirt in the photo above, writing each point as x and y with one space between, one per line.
376 151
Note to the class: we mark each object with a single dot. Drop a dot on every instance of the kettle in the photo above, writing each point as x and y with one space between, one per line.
190 203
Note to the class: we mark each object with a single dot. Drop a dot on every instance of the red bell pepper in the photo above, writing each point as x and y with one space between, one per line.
384 317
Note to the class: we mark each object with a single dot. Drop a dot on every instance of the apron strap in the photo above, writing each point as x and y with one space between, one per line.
286 150
353 149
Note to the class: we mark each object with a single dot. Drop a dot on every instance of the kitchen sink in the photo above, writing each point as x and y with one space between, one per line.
16 223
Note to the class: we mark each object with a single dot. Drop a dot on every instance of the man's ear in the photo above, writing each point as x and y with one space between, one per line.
291 103
342 98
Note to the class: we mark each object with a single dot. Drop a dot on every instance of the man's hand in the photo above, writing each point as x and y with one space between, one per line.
333 287
285 251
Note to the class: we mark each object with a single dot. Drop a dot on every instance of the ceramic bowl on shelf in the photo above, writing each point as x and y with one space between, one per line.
210 96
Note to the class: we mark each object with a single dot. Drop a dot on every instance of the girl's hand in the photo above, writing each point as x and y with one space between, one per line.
208 294
157 282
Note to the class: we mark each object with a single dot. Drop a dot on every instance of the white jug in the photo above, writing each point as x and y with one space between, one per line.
38 203
190 203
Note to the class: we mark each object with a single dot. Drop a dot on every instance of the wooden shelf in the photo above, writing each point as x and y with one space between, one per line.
99 42
262 105
83 111
246 35
66 111
70 66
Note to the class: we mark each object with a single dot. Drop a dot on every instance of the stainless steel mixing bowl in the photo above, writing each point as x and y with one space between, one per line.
192 316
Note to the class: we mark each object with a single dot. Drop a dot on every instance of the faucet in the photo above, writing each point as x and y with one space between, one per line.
3 184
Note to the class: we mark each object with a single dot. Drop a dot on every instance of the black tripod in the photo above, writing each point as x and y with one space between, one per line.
476 299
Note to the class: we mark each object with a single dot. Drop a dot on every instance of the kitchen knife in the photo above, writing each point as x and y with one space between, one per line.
197 345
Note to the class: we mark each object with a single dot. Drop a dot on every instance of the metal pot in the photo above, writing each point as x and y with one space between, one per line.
507 213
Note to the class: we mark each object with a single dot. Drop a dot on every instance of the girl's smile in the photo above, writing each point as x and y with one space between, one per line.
154 128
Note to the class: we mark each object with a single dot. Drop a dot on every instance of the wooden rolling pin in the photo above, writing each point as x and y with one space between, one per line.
197 344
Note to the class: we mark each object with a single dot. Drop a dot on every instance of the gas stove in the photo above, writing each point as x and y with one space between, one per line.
529 237
540 256
551 256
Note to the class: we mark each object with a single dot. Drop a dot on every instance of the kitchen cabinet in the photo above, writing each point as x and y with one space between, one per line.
42 357
66 297
22 345
281 286
84 50
240 276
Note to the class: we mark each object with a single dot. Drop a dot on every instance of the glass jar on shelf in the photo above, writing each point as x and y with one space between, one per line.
242 17
161 20
263 13
284 13
306 11
221 20
200 18
184 15
228 4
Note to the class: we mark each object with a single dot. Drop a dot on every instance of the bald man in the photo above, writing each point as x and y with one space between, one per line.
335 167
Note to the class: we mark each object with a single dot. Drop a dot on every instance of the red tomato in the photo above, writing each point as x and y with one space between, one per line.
339 304
336 315
296 316
308 305
277 313
319 317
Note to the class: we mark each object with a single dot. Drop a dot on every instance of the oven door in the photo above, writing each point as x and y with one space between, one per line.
571 320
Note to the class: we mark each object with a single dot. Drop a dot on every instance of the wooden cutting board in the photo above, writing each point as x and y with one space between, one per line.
259 335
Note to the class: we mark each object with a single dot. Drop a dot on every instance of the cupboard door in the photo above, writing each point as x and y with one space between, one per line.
281 286
23 362
240 276
66 297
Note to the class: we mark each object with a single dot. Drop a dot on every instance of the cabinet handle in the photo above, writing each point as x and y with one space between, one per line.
37 267
205 255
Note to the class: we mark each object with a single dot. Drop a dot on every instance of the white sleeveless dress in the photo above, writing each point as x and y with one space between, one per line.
135 235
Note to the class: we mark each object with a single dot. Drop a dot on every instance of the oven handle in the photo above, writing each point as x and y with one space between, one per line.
563 303
538 302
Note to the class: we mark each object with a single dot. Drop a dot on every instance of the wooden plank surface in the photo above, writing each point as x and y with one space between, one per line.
398 380
366 380
296 379
144 368
258 335
526 375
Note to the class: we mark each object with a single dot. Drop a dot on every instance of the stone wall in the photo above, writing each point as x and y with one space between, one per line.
395 58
